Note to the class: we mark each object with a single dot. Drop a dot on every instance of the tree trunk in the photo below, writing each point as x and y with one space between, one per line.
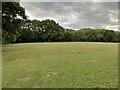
49 39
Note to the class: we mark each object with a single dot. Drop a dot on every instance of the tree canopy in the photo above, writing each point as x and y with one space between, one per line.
12 17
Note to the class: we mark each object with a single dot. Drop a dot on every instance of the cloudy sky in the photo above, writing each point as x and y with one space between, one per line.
75 15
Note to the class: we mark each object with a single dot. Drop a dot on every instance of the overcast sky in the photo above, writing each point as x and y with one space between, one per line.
75 15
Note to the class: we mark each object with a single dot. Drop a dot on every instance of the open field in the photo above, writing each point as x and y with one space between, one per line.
0 67
67 65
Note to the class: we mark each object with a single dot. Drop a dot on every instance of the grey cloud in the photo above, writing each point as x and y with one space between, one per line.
69 0
75 14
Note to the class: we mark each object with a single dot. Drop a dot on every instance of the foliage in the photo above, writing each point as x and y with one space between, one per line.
12 17
50 31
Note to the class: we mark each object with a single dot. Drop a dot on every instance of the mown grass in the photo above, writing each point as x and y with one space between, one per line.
0 66
60 65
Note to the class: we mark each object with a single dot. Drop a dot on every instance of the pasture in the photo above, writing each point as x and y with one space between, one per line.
60 65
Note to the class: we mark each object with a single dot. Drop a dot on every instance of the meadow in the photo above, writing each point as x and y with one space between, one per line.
0 67
60 65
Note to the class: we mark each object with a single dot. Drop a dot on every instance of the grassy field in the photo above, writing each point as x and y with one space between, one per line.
65 65
0 67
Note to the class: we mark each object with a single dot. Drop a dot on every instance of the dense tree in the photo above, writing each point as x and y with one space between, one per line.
70 35
50 31
12 17
27 33
41 31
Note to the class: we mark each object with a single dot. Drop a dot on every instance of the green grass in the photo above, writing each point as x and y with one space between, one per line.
65 65
0 67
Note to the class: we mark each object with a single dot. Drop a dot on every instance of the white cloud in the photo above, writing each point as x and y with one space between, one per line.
69 0
114 27
75 15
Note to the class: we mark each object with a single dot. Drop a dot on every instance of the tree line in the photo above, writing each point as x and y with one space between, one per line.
50 31
17 28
